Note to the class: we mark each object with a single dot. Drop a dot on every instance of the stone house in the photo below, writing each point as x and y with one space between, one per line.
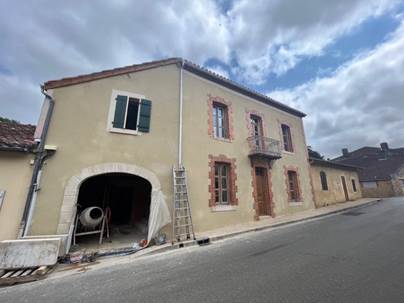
16 153
334 182
382 173
118 133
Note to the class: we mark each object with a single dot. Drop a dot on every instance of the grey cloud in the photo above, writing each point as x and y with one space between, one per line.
362 103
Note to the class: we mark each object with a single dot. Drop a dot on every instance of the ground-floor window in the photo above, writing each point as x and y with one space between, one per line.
293 186
354 185
222 183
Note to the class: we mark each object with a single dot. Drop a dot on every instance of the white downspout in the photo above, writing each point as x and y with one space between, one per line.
180 128
32 206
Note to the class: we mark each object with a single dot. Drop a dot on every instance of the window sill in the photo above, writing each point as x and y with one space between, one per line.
222 208
291 203
222 139
124 131
288 152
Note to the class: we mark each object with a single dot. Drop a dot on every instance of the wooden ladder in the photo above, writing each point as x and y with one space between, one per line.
182 226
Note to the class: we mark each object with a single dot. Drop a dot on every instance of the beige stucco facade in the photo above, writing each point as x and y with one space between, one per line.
335 192
15 175
79 130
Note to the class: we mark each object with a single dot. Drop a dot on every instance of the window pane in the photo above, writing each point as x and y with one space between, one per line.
224 182
131 117
216 183
216 196
120 108
224 197
217 167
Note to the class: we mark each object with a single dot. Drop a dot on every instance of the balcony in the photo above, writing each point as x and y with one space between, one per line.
264 147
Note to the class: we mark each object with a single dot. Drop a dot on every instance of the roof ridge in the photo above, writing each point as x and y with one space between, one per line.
189 66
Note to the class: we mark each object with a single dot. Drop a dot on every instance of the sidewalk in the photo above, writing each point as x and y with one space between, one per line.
269 222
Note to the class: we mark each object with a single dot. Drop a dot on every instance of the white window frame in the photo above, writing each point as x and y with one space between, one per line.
111 112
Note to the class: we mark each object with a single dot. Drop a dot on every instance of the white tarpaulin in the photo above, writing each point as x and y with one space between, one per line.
159 214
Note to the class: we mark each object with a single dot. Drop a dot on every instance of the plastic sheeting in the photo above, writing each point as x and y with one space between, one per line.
159 214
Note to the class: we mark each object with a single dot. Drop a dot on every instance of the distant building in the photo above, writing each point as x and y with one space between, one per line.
333 182
16 152
382 173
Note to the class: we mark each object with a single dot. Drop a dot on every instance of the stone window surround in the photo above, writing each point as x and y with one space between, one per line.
68 208
233 178
228 105
299 188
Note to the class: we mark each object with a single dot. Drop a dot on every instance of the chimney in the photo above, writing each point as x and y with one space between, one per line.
345 152
384 146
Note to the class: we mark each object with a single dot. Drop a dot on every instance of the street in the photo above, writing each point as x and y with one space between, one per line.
351 257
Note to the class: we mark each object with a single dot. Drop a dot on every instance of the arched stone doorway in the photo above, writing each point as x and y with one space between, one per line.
69 205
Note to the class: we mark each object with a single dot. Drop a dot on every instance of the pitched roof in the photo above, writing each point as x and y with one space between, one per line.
377 165
15 136
187 65
328 163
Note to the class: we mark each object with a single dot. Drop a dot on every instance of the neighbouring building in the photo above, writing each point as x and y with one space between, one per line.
334 182
16 153
118 133
382 173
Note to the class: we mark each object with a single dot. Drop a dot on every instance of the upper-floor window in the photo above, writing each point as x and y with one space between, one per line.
354 185
287 138
323 178
220 121
293 184
129 113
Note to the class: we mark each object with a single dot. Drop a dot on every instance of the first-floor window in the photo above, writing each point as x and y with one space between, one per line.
293 186
354 185
220 121
287 138
222 176
131 113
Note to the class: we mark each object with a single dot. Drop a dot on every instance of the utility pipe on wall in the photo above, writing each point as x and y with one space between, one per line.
180 127
40 156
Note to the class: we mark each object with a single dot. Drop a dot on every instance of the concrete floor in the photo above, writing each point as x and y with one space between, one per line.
351 257
120 237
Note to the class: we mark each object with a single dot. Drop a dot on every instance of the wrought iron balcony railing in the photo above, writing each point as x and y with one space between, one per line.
264 147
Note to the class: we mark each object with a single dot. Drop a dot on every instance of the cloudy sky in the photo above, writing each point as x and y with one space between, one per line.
341 62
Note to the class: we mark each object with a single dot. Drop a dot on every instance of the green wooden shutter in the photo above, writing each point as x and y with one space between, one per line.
144 116
120 108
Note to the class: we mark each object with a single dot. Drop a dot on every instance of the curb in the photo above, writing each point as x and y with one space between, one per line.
190 243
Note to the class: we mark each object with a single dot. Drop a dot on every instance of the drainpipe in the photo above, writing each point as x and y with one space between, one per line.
180 128
40 156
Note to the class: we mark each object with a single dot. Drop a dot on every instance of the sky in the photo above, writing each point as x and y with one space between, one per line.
340 62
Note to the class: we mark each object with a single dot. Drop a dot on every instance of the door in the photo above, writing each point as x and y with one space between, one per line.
345 188
263 199
256 126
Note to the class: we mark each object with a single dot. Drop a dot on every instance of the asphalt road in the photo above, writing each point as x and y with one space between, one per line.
342 258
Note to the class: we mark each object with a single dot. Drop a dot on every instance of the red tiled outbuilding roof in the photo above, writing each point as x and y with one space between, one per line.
15 136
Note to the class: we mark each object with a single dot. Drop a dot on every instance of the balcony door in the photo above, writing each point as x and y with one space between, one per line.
257 130
262 190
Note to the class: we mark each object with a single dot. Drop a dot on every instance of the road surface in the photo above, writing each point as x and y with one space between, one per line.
352 257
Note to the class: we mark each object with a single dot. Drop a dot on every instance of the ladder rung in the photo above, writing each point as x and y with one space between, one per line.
180 217
183 225
179 208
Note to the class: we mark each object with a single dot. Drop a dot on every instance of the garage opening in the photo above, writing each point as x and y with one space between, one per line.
124 201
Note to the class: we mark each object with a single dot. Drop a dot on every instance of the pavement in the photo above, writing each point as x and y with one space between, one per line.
353 256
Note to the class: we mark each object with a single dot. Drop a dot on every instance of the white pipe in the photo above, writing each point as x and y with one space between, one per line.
32 206
180 128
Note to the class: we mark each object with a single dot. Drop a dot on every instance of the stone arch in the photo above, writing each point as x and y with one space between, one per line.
68 209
